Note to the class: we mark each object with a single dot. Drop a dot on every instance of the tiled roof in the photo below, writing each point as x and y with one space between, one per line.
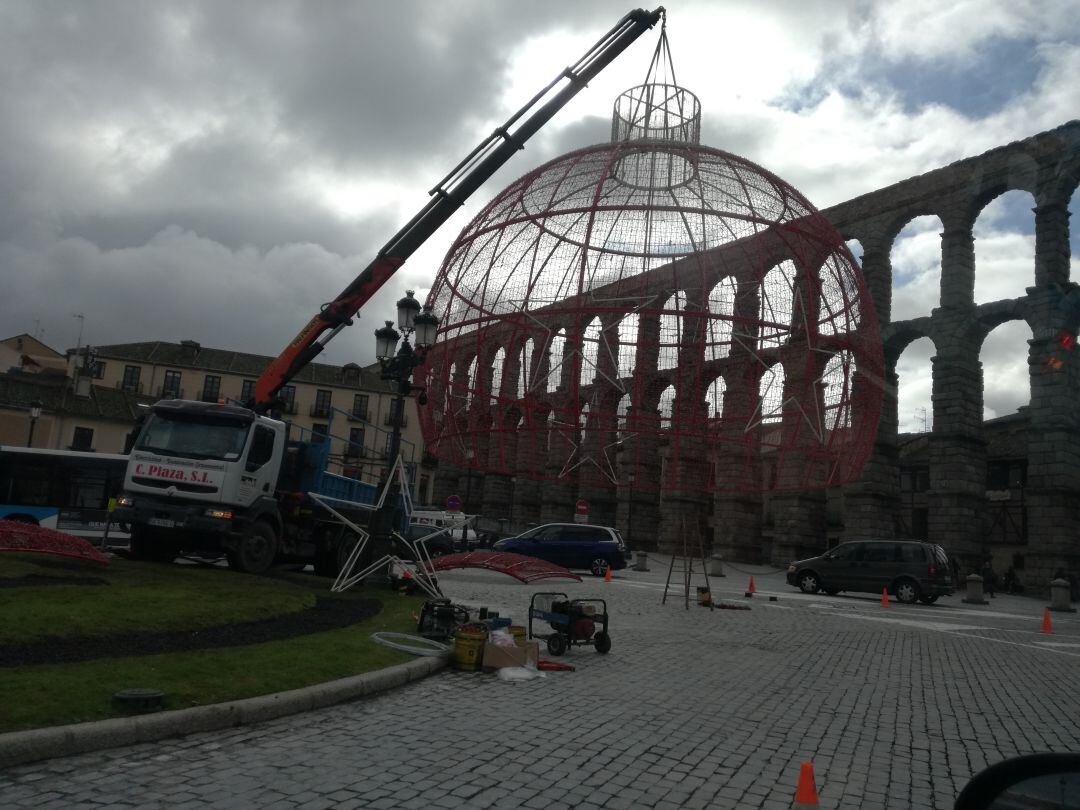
202 358
19 391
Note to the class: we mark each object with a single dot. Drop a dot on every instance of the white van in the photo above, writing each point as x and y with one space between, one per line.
463 534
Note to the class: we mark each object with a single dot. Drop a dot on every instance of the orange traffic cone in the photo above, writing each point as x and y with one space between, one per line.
607 574
884 597
750 589
1047 627
806 793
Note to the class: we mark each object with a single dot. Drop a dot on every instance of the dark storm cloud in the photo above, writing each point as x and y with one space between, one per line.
159 159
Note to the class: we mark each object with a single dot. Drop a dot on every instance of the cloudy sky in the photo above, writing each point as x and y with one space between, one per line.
217 171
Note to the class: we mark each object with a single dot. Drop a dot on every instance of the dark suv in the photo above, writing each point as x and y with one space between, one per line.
910 569
571 545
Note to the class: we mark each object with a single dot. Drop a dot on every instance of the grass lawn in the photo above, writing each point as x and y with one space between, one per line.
142 597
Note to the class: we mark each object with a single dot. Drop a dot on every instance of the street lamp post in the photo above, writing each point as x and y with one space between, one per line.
397 367
630 508
35 414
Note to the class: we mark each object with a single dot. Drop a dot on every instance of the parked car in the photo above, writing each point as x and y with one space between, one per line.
571 545
440 544
911 570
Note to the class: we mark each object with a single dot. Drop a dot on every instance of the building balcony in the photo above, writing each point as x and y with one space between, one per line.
358 416
133 388
390 419
170 392
289 407
210 396
319 411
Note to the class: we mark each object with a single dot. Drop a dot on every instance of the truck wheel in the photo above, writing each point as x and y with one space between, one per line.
335 553
150 546
255 551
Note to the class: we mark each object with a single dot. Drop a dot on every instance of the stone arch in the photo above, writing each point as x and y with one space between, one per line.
666 407
590 352
915 257
671 331
771 394
473 384
915 387
628 336
525 369
1004 234
721 306
837 379
621 410
1006 377
777 304
714 396
498 363
556 354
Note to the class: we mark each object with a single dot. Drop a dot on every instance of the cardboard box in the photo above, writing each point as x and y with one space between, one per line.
497 657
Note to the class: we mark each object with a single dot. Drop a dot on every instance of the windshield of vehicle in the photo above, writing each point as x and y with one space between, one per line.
188 438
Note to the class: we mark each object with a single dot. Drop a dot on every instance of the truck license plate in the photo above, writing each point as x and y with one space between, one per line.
163 523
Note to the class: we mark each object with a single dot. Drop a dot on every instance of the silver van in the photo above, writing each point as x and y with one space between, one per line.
911 570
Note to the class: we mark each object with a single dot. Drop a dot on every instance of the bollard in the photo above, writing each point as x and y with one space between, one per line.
974 591
1060 597
641 563
716 566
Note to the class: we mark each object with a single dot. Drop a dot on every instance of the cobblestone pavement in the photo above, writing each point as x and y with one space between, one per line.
895 707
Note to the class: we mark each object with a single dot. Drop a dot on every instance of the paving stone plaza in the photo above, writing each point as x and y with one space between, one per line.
895 707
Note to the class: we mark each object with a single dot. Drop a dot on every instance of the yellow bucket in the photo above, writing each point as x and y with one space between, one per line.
468 649
518 632
704 598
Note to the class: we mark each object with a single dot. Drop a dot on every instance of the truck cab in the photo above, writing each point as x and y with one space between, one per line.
200 470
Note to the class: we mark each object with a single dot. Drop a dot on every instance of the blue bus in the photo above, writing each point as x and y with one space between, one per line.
66 490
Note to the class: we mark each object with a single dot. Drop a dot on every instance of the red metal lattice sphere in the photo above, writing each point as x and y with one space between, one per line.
656 314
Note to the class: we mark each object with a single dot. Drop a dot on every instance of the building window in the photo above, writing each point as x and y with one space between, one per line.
82 439
319 433
131 378
211 388
97 369
355 448
247 390
171 386
350 374
359 406
287 394
322 403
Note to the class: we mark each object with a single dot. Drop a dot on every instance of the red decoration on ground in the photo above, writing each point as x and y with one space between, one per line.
25 537
526 569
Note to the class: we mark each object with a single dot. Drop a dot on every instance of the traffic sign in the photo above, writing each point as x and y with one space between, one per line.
581 512
453 503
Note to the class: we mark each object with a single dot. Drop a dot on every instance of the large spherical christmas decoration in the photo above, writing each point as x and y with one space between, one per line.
654 313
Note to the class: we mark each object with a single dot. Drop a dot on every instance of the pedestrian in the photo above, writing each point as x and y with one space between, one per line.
989 576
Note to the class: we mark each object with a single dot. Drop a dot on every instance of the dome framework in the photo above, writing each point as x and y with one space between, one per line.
655 314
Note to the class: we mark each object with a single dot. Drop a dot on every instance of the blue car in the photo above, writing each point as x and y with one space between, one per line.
571 545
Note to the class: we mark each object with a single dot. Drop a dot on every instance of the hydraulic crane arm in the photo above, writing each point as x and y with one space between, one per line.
447 197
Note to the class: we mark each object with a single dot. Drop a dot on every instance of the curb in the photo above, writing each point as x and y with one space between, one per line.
21 747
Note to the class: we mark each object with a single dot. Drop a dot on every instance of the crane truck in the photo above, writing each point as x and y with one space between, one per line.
223 478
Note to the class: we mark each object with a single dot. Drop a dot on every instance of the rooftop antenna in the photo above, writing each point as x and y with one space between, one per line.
82 320
920 418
